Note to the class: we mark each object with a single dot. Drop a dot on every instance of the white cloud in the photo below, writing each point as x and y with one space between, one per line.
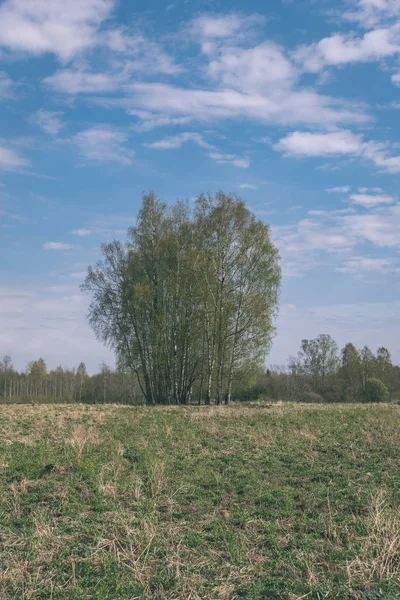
370 13
151 121
342 49
366 190
49 121
76 81
102 143
126 56
176 141
331 213
332 238
378 152
379 227
342 142
252 70
82 232
214 27
396 78
10 160
370 200
340 189
279 106
231 159
359 265
303 143
57 246
52 26
258 82
309 235
140 54
247 186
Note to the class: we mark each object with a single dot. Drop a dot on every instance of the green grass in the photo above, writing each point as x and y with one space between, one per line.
261 501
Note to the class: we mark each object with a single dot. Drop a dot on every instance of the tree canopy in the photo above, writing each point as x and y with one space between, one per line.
189 301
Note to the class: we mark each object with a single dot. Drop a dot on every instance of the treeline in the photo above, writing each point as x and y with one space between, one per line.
38 384
322 373
319 373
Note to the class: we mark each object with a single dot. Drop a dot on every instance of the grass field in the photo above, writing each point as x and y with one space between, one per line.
261 501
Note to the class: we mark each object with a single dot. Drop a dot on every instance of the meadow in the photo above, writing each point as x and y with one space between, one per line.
254 501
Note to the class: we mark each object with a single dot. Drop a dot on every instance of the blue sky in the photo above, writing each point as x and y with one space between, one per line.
292 105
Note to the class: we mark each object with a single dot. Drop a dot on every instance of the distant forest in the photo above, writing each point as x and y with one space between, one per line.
319 373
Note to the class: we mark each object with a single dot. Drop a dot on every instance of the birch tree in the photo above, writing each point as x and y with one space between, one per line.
190 299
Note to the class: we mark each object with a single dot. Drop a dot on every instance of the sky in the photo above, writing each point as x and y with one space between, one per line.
293 105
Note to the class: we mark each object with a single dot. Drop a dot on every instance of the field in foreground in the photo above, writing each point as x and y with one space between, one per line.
261 501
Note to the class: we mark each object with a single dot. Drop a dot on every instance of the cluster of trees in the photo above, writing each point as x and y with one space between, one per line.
38 384
188 302
321 373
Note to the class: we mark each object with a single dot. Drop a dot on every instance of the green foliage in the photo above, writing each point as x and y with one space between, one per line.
375 391
38 385
317 359
312 397
188 302
351 373
37 368
257 501
81 370
6 364
309 378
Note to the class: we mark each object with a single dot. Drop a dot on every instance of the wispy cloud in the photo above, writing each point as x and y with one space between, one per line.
177 141
57 246
396 78
339 143
214 27
340 189
371 200
231 159
82 232
103 143
149 121
334 237
140 55
247 186
304 143
341 49
370 13
360 265
283 106
49 121
127 56
11 160
78 81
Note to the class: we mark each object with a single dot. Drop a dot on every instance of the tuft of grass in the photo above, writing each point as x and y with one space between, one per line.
259 501
379 557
